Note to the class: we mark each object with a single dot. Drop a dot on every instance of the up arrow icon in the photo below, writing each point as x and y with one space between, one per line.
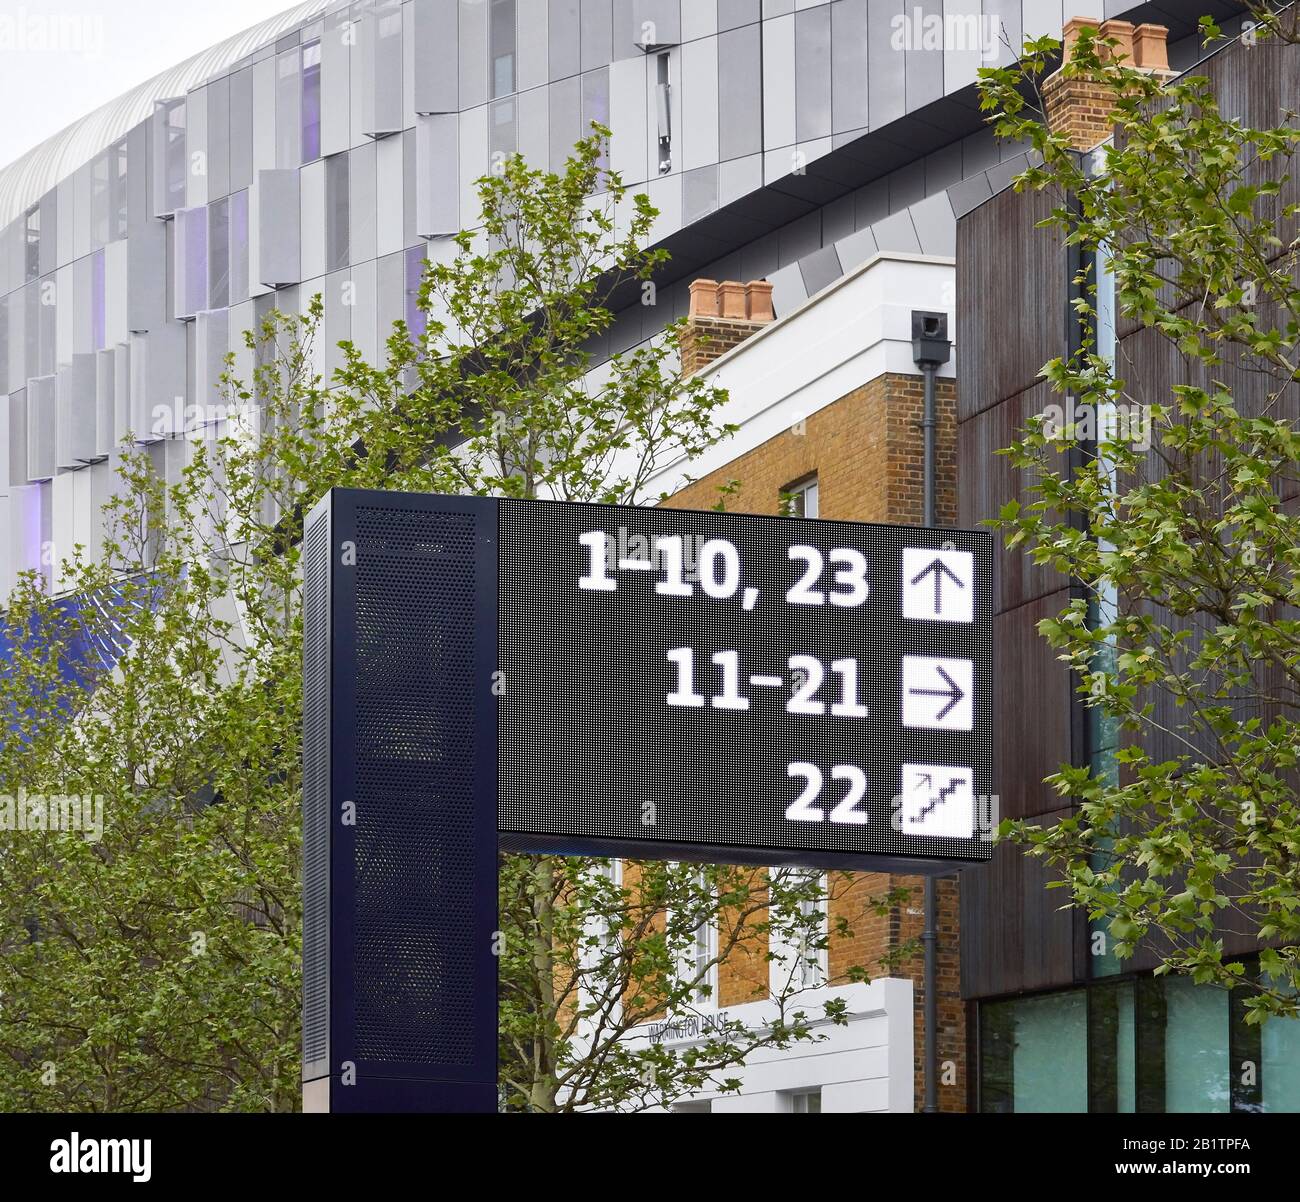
938 586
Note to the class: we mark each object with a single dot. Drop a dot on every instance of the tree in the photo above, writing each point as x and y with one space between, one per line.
151 959
1171 510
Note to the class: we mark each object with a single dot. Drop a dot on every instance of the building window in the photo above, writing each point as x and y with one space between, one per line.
807 1102
1034 1054
800 499
703 972
503 47
814 971
1154 1045
311 101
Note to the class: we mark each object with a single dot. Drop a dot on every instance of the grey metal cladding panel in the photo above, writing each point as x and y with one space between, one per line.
566 119
699 193
936 227
788 289
777 8
277 227
75 409
820 268
241 130
42 424
49 248
596 34
121 393
18 473
897 233
886 66
812 65
336 86
437 55
857 248
531 50
473 42
1044 17
943 168
799 238
924 62
389 102
437 191
534 130
218 139
159 365
740 92
105 401
362 202
390 297
211 344
848 65
409 190
565 39
659 21
734 13
969 193
906 185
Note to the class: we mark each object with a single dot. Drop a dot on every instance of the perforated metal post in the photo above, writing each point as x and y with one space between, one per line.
400 804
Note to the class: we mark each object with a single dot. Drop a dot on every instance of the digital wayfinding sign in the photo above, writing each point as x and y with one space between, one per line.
489 673
773 686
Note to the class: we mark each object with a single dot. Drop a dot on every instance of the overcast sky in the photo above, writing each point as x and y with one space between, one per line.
59 59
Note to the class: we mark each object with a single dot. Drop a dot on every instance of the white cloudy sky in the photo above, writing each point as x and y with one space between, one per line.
59 59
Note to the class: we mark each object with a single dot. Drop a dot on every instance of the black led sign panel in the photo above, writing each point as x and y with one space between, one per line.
771 685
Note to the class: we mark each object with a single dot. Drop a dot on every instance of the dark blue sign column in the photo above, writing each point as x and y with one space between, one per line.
399 804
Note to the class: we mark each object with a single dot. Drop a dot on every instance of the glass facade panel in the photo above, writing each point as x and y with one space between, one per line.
1196 1048
1034 1054
1280 1065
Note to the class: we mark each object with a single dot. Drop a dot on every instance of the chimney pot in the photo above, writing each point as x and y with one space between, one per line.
704 298
731 298
758 295
1122 33
1151 46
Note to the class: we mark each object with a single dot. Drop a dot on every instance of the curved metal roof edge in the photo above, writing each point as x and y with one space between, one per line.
33 174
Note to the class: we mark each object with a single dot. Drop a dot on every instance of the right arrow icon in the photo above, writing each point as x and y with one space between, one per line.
938 585
937 693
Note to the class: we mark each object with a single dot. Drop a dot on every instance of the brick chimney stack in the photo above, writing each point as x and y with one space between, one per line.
722 315
1080 107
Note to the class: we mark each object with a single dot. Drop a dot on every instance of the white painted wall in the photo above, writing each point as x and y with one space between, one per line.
863 1067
